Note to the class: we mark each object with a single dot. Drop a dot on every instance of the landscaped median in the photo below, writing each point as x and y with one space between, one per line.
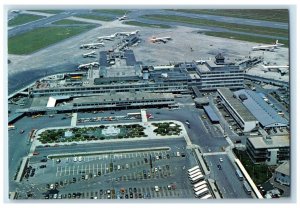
109 132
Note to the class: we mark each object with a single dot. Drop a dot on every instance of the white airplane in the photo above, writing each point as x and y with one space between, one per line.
124 17
162 39
108 37
275 67
86 66
92 45
267 47
128 33
91 54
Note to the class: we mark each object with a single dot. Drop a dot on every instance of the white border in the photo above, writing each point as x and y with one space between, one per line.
156 4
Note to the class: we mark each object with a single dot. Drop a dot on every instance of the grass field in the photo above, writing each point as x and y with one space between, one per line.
112 11
211 23
141 24
36 39
23 18
48 11
94 17
258 172
249 38
68 22
277 15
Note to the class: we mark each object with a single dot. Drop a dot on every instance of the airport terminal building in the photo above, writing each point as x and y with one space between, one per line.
238 111
264 113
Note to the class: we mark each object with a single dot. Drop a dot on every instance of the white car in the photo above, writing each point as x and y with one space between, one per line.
79 159
221 159
75 159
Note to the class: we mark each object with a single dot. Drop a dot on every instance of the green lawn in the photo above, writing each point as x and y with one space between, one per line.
94 17
68 22
211 23
48 11
258 172
112 11
277 15
23 18
141 24
249 38
36 39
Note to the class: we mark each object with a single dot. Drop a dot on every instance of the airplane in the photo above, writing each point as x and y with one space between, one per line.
108 37
162 39
124 17
86 66
267 47
91 54
127 33
280 69
92 45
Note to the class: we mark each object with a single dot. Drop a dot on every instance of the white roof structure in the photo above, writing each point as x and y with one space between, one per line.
51 102
264 113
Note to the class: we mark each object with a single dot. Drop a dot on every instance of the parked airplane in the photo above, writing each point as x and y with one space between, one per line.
267 47
108 37
92 45
162 39
88 65
280 69
127 33
124 17
91 54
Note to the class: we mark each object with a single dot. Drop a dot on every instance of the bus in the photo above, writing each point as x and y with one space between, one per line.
11 127
239 174
193 168
199 184
200 188
197 178
194 175
247 188
201 192
207 196
195 171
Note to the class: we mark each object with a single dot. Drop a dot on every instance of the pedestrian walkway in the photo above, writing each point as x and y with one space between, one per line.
74 120
22 167
144 116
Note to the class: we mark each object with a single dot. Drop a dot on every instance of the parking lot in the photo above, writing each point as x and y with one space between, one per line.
116 176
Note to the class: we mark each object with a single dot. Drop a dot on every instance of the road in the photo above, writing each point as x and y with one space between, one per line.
229 184
35 24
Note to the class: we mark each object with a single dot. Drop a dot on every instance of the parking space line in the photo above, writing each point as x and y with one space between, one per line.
101 169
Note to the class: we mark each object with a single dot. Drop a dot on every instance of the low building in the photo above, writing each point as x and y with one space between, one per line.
264 113
238 111
201 101
213 117
282 173
270 150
